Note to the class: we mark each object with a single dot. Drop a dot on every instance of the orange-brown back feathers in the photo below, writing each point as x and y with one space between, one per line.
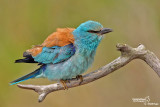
62 37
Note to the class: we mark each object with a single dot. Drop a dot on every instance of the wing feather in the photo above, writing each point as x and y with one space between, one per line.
55 54
62 37
56 48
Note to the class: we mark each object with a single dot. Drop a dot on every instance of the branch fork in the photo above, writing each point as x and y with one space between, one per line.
127 54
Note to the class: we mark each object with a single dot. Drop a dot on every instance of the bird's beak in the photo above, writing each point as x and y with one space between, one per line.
105 30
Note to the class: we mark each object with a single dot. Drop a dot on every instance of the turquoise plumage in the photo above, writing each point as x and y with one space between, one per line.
55 54
66 62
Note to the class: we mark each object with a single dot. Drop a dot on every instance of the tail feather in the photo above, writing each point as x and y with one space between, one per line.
26 77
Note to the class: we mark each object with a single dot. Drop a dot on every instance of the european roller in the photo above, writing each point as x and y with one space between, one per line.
65 54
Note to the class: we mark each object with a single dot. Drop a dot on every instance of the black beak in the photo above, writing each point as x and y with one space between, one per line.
105 30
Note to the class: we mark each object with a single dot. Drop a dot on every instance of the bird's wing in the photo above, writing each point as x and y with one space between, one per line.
55 54
62 37
56 48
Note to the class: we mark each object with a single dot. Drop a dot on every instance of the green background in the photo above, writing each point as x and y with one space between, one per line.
24 23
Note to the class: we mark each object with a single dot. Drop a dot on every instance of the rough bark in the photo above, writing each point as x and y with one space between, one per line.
127 54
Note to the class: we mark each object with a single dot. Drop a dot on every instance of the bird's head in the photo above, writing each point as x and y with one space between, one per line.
89 34
90 29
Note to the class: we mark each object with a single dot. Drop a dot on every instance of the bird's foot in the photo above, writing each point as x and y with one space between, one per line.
63 82
80 77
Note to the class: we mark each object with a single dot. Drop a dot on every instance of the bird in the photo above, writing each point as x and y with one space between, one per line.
65 54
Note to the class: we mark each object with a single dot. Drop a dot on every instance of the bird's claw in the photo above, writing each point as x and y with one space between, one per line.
80 77
63 82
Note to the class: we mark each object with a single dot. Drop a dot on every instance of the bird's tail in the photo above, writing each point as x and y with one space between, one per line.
29 76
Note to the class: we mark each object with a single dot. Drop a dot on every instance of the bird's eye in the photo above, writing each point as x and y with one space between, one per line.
93 31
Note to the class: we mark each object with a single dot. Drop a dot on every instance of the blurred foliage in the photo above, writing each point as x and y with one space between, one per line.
24 23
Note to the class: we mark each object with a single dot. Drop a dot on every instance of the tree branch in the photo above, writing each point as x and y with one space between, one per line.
127 54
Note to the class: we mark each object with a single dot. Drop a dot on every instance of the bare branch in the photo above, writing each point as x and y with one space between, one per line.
127 54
